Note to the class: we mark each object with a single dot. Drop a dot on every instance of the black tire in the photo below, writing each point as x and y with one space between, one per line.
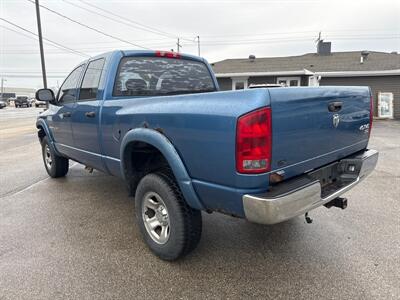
59 165
185 223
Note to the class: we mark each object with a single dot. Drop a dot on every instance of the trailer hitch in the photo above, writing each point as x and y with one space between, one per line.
337 202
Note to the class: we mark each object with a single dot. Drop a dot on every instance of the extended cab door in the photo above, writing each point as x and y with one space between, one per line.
60 122
85 117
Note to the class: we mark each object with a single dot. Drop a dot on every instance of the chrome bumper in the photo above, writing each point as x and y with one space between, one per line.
303 194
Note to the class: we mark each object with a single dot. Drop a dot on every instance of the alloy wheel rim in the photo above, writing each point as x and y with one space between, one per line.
47 157
155 218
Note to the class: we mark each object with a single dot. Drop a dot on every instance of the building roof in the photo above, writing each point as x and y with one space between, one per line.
335 62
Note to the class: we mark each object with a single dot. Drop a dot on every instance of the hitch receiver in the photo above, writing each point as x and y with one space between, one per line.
337 202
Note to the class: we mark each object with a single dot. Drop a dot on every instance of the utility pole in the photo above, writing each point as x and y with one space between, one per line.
41 44
178 46
2 87
198 45
318 38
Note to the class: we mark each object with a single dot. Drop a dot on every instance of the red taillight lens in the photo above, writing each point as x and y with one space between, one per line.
371 114
253 142
167 54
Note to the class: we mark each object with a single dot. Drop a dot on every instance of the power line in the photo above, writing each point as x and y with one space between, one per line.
299 39
294 38
32 38
30 76
239 42
89 27
131 24
34 72
291 33
55 43
255 34
153 29
94 43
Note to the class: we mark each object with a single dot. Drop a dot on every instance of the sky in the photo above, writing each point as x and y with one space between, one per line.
227 29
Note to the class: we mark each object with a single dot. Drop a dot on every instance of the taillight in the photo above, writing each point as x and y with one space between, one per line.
371 114
253 142
168 54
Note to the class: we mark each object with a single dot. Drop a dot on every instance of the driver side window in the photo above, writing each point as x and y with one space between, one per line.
68 90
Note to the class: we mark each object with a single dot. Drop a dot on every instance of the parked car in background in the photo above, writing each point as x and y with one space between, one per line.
3 104
31 101
21 101
11 101
39 103
158 120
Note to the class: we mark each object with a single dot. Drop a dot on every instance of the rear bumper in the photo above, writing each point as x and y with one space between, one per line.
300 195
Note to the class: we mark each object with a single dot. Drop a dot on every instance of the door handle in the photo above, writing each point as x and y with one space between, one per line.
90 114
66 114
335 106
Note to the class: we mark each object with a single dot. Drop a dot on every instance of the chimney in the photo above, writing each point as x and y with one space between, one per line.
252 57
323 48
364 56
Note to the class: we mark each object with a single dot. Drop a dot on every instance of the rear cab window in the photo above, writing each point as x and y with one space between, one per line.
91 80
157 76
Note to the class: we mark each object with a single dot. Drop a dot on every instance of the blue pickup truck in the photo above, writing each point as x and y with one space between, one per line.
158 120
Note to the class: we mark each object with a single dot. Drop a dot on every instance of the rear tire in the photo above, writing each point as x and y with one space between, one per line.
170 227
56 166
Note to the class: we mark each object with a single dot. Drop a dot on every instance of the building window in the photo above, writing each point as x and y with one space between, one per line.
239 83
314 80
288 81
385 105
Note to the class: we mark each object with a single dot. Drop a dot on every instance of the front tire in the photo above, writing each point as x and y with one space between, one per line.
56 166
170 228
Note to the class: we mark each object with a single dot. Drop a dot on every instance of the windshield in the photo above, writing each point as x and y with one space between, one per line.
155 76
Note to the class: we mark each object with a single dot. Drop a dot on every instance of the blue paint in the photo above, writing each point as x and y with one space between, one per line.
199 132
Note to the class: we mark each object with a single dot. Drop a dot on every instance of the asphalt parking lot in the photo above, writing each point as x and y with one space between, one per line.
76 237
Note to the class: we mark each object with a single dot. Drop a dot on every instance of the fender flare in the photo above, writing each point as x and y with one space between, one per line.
41 124
160 142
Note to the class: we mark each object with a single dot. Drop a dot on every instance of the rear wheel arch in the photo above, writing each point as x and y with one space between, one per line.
139 159
41 132
154 153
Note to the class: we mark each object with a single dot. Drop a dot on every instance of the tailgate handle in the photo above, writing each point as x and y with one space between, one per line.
335 106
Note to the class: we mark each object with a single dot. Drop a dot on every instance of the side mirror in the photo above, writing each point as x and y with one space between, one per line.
46 95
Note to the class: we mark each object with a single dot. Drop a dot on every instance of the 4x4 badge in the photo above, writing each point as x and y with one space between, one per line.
336 120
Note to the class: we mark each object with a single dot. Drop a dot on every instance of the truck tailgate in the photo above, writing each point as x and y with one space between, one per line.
312 127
